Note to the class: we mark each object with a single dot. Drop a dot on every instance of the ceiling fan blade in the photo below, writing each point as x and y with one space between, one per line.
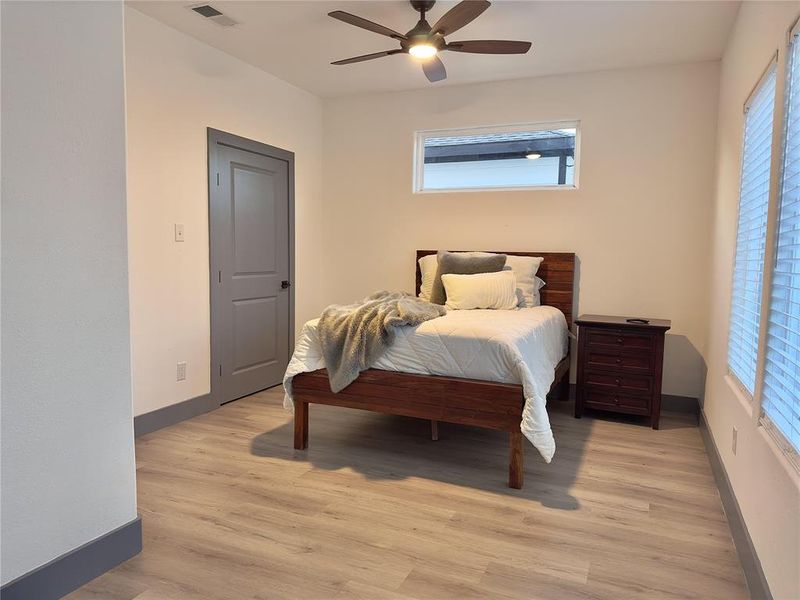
434 69
364 57
490 47
461 14
365 24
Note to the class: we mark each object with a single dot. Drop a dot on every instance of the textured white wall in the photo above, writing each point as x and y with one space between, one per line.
639 222
176 87
766 486
67 429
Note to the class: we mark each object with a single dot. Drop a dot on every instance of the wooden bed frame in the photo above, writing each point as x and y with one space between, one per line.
451 399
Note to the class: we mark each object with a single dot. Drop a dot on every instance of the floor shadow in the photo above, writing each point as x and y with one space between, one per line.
384 447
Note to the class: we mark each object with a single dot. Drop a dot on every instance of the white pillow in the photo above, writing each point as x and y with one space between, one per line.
484 290
427 268
524 268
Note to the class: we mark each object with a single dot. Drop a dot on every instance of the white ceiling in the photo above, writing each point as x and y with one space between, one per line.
296 40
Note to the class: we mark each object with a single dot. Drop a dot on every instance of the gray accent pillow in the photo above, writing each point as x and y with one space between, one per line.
462 264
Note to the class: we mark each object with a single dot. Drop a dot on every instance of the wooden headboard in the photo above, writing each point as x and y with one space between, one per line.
557 270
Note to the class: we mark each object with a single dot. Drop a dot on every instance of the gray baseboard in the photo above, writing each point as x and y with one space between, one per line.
753 573
170 415
683 404
70 571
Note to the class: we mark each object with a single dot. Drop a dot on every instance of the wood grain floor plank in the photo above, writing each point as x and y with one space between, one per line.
354 590
375 510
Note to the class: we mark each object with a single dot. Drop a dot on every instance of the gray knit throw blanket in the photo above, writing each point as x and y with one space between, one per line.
354 336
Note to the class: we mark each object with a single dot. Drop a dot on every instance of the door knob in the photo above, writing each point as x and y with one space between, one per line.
285 284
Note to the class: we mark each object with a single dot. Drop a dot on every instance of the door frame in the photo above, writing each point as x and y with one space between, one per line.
218 138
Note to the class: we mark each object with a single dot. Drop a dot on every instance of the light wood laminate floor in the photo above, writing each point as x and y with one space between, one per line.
375 510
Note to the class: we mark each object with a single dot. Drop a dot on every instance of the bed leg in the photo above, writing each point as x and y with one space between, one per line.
563 388
515 460
300 425
434 430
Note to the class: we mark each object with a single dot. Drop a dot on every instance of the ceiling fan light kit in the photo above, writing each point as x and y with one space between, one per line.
425 42
423 51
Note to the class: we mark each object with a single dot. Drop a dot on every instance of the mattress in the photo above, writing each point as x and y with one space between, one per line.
520 346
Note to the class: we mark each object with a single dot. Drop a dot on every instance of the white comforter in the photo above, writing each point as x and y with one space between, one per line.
509 346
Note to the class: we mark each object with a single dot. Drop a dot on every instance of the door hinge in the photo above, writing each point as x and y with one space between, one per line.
217 178
220 370
219 276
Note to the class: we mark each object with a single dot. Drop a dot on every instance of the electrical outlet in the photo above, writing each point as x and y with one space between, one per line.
181 371
179 232
734 439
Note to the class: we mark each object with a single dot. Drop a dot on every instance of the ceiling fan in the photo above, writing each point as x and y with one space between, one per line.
425 42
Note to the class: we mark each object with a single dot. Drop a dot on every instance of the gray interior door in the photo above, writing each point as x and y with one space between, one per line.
250 239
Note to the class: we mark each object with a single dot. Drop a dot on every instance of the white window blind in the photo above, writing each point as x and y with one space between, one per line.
751 232
780 401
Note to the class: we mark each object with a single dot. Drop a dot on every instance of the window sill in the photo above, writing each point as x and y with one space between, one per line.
533 188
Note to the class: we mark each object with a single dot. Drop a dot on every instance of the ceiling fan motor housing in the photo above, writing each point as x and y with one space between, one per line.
421 34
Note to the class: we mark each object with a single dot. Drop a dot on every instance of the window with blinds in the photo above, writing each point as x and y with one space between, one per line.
780 398
751 232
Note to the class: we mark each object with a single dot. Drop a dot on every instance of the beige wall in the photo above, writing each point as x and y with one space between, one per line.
766 487
639 222
68 468
176 88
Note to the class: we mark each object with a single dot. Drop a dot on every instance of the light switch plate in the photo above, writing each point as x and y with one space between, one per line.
179 232
181 371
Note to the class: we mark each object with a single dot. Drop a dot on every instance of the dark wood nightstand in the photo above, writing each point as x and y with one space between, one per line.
620 365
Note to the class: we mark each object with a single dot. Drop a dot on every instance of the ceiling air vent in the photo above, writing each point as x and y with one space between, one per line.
211 13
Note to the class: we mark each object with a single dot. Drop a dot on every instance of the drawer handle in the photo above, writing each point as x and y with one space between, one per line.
619 340
619 361
616 381
616 399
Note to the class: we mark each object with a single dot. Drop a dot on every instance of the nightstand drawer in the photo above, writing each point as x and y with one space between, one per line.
594 397
623 340
602 359
624 383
